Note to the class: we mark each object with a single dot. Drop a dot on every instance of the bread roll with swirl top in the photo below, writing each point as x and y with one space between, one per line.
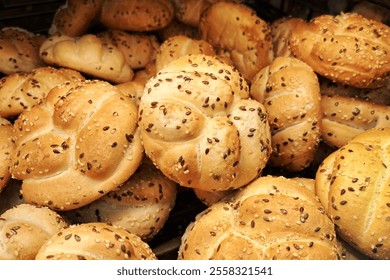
353 184
25 228
199 126
19 50
78 145
95 241
19 91
289 90
237 29
347 48
270 218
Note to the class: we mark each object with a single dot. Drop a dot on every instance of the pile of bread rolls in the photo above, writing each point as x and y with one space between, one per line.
281 129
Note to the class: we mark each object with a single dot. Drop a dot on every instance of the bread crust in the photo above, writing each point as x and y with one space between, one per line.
19 91
95 241
347 49
6 149
345 117
237 29
25 228
289 90
89 55
78 145
270 218
200 128
137 15
352 184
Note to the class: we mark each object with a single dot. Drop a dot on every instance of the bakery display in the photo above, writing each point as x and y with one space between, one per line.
19 91
199 126
25 228
94 241
271 218
353 185
77 146
289 90
138 116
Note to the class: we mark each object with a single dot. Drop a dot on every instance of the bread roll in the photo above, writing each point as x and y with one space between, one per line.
237 29
138 49
141 205
176 27
137 15
281 29
75 17
345 117
87 54
25 228
353 185
210 197
19 50
133 89
200 128
77 146
19 91
376 95
7 147
289 90
270 218
95 241
347 49
177 46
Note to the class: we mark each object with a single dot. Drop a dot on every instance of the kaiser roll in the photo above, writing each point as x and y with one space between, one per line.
199 126
353 184
289 90
95 241
271 218
25 228
78 145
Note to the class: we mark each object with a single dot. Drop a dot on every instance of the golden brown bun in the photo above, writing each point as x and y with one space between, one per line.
6 149
271 218
347 48
353 186
237 29
290 92
345 117
75 17
133 89
190 11
138 49
379 95
95 241
175 28
141 205
87 54
77 146
177 46
210 197
280 31
200 128
19 50
137 15
25 228
19 91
